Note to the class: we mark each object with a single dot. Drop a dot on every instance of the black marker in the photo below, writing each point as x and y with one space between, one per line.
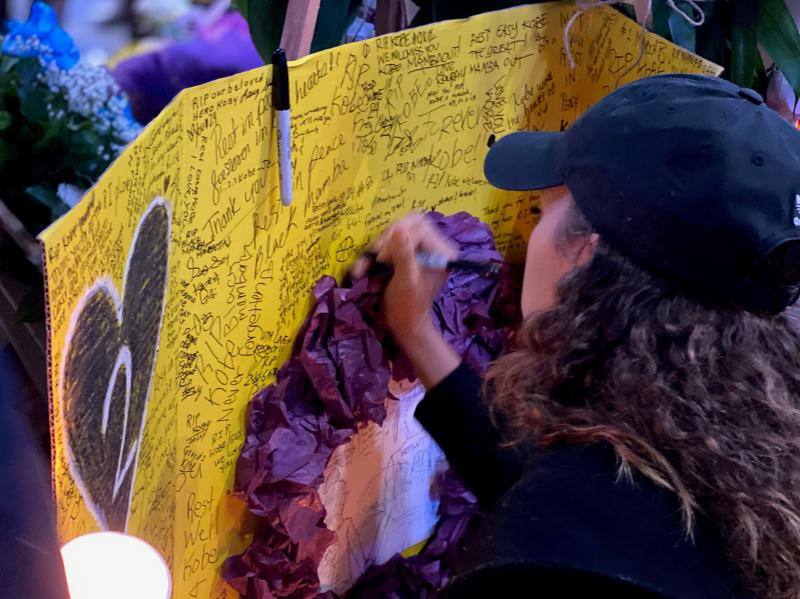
280 103
428 260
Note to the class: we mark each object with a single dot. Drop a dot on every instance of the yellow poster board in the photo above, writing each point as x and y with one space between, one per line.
175 288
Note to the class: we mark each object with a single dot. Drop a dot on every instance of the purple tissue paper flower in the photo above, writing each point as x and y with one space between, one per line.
336 380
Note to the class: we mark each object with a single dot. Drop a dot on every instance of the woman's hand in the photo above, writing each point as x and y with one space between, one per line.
410 294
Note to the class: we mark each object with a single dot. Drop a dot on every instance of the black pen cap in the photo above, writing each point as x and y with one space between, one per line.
280 80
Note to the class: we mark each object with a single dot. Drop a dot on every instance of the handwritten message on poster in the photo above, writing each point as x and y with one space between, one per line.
175 288
378 494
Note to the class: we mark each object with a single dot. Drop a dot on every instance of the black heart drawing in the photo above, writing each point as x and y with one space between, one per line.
109 357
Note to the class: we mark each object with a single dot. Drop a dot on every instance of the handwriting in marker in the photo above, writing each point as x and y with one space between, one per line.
379 128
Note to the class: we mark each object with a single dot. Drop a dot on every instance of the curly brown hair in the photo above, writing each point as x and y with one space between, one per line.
702 400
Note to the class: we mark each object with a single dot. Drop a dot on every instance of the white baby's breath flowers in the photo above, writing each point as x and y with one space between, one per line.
84 90
29 45
91 92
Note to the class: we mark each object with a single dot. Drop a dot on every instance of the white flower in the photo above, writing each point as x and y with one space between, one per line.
69 194
92 93
24 45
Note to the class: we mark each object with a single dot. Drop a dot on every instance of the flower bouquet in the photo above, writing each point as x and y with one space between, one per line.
62 123
62 120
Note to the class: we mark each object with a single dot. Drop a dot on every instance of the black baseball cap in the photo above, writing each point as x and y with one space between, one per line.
692 178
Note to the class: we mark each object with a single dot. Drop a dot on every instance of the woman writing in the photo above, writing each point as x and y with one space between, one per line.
642 437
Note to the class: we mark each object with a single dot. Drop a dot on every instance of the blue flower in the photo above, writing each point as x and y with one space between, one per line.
129 111
42 26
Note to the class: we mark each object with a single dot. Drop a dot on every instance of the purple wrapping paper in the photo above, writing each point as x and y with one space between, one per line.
338 378
153 79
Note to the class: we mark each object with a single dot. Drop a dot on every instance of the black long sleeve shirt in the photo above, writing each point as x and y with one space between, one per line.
561 522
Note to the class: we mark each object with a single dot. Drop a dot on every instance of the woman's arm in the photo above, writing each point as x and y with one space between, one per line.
433 358
452 412
455 415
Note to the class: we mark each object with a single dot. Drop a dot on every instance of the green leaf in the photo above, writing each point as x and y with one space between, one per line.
241 6
744 55
27 69
5 120
623 7
8 63
54 130
49 198
778 34
33 103
332 22
265 18
7 152
712 37
682 31
8 84
661 13
760 78
745 13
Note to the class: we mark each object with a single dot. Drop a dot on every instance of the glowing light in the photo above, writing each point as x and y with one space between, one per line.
110 564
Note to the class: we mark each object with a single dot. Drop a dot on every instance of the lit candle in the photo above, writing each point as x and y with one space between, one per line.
110 564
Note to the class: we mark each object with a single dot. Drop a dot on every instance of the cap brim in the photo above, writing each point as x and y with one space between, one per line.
523 161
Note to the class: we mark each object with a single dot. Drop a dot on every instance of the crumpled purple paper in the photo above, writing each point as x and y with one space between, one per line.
337 379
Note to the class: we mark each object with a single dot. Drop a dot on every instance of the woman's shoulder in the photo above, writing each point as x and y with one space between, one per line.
573 510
